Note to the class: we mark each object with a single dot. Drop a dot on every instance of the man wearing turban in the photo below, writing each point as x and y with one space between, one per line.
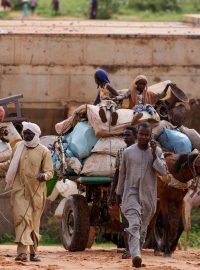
30 168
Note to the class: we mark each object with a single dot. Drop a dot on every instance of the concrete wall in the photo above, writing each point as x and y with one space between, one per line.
55 72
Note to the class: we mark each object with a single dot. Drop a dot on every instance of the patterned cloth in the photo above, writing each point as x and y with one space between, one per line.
105 96
119 158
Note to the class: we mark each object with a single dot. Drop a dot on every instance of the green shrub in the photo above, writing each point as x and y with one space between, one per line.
7 238
106 8
16 3
155 5
50 232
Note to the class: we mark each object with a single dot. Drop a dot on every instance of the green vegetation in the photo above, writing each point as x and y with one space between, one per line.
51 234
5 15
194 239
154 6
134 10
78 8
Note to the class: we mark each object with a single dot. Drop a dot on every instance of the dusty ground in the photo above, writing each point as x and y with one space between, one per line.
54 258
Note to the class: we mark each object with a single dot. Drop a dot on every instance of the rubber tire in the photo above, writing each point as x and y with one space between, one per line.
75 235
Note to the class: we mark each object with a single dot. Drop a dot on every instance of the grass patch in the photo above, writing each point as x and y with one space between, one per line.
5 15
71 8
124 11
194 238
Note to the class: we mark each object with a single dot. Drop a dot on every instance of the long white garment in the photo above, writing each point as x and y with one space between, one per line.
11 173
138 185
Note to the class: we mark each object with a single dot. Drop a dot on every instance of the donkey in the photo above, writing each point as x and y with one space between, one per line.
191 199
167 222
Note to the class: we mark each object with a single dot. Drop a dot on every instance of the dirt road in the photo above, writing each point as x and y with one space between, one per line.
54 258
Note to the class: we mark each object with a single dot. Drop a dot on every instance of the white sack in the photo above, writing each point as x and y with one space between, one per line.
99 165
147 117
159 87
74 164
125 117
48 140
109 145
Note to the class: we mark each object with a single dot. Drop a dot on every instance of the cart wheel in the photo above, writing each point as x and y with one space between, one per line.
75 224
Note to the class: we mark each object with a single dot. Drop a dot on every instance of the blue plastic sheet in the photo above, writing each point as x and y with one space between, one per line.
175 141
78 143
83 139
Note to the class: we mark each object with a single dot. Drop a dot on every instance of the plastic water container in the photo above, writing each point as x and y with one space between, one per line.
66 187
83 140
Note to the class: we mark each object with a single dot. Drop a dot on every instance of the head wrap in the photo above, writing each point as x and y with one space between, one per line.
2 113
102 76
36 130
32 127
133 89
11 173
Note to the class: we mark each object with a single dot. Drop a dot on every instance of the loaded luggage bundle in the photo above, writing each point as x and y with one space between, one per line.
88 147
93 145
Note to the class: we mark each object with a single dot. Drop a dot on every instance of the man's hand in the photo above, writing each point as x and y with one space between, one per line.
118 199
41 177
153 145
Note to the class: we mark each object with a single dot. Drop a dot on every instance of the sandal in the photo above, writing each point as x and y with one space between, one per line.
34 258
137 262
114 118
22 257
102 115
126 255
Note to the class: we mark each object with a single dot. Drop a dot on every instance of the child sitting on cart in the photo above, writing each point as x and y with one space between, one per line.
142 99
106 93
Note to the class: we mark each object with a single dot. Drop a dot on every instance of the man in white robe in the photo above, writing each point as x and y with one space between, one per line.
137 186
30 168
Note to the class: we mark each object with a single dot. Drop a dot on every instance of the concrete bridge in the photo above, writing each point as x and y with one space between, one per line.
53 62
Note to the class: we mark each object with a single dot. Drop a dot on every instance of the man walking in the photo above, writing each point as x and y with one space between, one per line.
25 7
93 10
130 135
138 187
30 168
